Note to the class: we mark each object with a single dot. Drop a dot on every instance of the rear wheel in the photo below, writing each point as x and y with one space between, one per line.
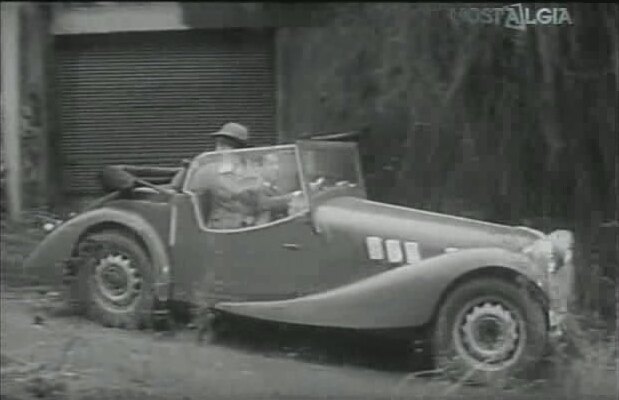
489 331
115 281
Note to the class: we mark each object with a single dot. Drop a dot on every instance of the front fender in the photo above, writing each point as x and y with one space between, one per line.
400 298
44 263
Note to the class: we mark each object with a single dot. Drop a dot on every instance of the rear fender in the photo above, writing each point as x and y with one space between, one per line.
403 297
45 262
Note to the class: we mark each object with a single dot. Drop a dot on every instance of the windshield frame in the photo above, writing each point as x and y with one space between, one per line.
309 144
195 164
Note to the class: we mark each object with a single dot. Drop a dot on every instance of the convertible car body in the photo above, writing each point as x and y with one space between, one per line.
331 258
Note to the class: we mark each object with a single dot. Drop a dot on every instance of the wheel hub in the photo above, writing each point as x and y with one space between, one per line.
489 334
117 278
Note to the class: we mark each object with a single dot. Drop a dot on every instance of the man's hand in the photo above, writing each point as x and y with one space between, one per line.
298 203
317 184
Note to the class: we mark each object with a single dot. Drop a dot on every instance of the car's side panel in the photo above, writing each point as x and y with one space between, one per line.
280 260
60 245
194 254
403 297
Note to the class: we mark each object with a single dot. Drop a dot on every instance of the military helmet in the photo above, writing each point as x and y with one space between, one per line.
234 131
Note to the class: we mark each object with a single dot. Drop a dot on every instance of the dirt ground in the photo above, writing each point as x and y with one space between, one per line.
56 357
46 355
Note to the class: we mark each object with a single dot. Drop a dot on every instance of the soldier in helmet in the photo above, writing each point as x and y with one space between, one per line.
231 136
224 181
235 195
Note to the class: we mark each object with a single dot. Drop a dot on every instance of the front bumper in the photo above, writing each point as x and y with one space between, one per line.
560 292
552 255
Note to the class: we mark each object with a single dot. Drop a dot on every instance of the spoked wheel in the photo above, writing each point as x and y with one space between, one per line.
489 334
488 331
116 281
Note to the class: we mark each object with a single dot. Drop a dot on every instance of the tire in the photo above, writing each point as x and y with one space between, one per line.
469 313
114 253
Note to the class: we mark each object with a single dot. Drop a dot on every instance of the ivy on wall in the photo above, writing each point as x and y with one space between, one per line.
514 126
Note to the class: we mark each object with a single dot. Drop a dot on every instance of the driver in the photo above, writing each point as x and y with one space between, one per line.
229 137
226 181
239 193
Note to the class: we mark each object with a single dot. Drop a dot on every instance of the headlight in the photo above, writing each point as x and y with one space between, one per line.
554 250
542 252
51 224
562 244
48 227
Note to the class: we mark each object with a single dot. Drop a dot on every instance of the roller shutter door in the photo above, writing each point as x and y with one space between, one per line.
152 98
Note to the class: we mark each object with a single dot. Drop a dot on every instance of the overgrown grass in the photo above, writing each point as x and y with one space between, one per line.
17 241
584 364
581 366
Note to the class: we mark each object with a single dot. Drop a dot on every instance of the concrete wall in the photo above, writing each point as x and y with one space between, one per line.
339 67
10 105
35 42
253 15
25 42
102 17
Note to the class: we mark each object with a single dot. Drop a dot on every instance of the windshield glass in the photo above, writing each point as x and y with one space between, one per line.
331 167
246 188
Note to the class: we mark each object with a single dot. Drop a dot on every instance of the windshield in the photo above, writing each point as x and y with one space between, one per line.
246 188
331 167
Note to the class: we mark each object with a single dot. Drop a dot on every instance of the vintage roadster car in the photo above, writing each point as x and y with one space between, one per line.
490 294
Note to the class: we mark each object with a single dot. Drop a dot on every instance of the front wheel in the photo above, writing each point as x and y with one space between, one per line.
116 281
489 330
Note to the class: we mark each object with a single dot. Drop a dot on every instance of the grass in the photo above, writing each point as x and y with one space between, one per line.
17 241
585 364
582 366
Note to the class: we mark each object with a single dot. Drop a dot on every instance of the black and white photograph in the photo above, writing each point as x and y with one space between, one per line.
309 200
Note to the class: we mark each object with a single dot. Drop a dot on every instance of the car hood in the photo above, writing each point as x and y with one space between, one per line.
435 232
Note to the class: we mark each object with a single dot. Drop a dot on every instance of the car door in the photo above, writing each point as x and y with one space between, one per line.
255 252
275 261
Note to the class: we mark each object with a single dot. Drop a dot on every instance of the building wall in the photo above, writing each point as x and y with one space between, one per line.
102 17
10 107
106 17
34 125
338 67
24 108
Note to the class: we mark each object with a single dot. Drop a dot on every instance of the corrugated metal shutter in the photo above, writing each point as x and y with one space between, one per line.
152 98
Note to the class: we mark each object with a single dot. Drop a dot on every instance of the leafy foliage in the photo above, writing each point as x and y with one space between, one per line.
518 127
